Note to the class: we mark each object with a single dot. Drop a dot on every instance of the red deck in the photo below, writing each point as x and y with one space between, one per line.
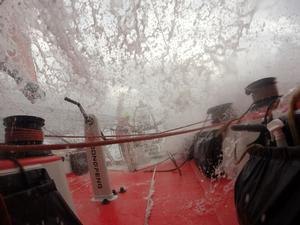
190 199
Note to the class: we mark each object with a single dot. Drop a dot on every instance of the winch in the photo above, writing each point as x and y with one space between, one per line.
263 91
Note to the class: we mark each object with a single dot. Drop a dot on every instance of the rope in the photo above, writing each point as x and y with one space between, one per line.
169 170
55 134
238 161
15 134
124 139
155 164
149 198
102 142
127 135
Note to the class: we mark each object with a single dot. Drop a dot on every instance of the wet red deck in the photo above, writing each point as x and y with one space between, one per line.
190 199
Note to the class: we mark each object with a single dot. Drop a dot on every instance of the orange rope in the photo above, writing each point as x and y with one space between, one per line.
102 142
126 135
123 138
23 134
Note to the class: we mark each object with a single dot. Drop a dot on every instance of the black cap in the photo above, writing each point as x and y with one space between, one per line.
259 84
24 121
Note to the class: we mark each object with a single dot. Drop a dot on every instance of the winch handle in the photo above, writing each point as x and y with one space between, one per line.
249 127
79 106
71 101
